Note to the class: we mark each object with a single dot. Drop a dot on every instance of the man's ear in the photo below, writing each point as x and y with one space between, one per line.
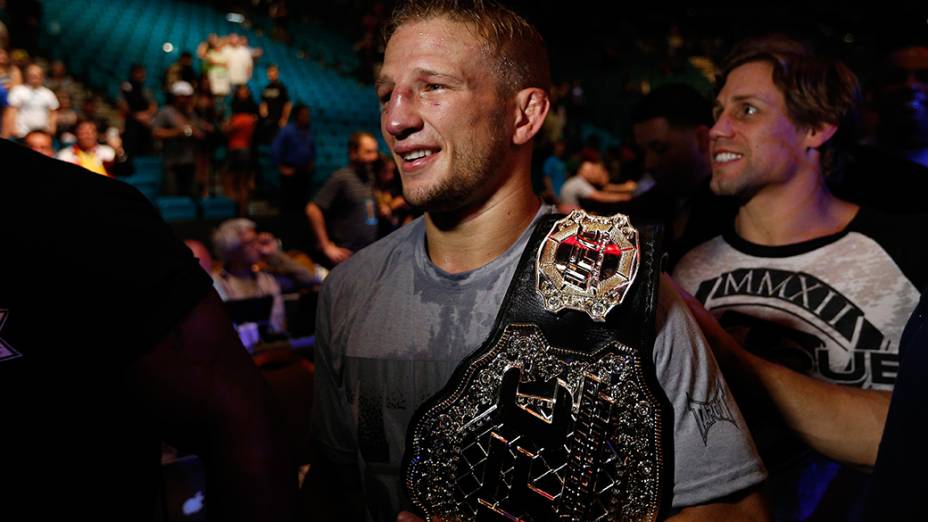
818 136
532 106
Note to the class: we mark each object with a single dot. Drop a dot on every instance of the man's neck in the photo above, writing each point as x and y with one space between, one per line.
471 238
798 211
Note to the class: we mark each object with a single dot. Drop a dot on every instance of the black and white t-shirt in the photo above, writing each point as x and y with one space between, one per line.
91 279
833 308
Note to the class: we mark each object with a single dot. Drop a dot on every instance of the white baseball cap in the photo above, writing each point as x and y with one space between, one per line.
181 89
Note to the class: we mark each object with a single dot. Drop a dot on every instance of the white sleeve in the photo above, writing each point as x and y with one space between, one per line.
714 454
16 96
52 100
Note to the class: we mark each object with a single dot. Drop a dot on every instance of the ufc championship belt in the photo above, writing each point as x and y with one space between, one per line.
558 415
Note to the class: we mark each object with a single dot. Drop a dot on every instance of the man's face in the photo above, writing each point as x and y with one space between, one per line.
86 136
41 143
753 143
249 253
34 76
366 153
904 94
673 155
272 74
443 116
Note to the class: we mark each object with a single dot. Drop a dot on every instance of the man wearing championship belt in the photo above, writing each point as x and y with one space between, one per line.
541 368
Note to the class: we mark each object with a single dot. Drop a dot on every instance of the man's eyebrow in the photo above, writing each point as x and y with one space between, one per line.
748 97
738 98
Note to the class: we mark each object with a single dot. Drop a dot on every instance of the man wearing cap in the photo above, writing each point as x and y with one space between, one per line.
180 131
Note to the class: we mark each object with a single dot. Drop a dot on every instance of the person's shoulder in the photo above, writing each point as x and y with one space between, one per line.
105 152
18 91
66 154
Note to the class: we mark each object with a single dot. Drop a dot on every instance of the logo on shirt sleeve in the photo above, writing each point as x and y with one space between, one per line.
6 351
708 413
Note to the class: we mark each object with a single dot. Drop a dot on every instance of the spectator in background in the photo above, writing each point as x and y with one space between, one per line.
216 65
181 71
40 141
342 214
239 60
241 249
87 152
138 107
181 133
252 262
32 105
592 182
890 171
903 103
275 106
211 122
671 127
10 75
238 178
294 154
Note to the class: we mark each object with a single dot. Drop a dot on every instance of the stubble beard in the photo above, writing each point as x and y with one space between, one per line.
474 173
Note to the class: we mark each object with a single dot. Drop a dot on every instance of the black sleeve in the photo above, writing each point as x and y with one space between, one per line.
901 237
133 266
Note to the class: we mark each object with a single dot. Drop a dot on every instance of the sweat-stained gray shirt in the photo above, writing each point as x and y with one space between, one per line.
391 328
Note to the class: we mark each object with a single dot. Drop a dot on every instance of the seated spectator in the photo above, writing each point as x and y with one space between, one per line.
592 182
40 141
32 105
247 259
88 152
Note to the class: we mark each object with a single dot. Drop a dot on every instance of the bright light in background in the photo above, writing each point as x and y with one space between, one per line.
235 18
168 47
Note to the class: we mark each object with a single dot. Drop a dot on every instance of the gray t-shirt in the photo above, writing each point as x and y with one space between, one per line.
347 200
391 328
179 150
575 188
